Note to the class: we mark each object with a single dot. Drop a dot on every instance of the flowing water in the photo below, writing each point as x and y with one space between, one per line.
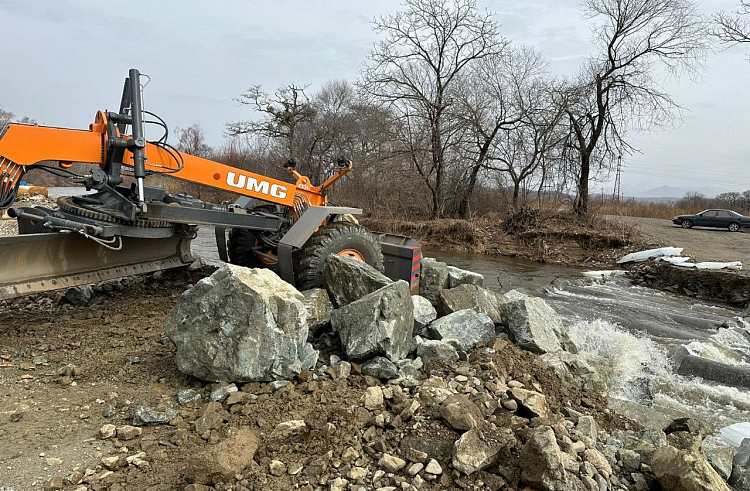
632 328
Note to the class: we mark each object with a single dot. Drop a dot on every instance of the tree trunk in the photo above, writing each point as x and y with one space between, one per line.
581 204
463 210
516 186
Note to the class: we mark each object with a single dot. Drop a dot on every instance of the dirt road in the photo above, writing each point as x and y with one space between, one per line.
702 244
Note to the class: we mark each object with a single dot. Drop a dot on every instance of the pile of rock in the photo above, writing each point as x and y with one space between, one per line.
440 402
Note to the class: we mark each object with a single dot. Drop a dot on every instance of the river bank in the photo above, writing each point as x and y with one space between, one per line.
552 238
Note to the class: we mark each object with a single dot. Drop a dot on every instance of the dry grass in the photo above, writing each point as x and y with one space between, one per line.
645 210
552 236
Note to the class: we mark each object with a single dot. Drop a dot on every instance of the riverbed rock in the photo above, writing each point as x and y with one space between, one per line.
645 442
79 296
542 462
740 477
434 279
319 307
148 416
685 470
378 324
380 368
532 323
430 350
720 456
187 396
473 452
531 404
424 313
470 297
458 277
222 461
575 369
348 279
241 325
467 326
460 413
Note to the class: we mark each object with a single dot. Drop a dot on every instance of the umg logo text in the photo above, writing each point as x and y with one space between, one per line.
258 186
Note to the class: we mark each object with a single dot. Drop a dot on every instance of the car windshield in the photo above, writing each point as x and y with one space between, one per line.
734 213
704 211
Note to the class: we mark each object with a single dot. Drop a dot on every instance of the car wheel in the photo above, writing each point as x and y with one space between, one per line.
734 227
687 224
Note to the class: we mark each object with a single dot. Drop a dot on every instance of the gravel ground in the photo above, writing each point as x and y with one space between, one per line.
703 244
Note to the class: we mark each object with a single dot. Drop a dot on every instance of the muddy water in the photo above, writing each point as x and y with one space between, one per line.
633 329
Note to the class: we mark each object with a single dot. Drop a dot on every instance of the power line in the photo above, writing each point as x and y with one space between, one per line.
616 192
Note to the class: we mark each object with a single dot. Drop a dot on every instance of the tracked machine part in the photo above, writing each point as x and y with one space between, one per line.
340 238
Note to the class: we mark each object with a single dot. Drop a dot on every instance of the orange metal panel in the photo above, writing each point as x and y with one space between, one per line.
27 145
214 174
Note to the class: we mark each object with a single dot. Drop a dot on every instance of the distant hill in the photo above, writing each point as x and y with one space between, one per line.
643 192
662 192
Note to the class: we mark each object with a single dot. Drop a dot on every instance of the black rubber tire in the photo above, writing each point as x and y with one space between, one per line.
243 241
687 224
734 227
332 239
240 249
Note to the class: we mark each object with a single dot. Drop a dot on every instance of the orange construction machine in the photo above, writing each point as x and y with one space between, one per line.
116 230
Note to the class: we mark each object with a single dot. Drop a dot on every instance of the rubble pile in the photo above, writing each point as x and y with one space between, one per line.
367 387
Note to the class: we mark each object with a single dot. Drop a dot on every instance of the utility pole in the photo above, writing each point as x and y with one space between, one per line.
616 192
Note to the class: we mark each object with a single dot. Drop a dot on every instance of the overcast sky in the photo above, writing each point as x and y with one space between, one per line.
63 60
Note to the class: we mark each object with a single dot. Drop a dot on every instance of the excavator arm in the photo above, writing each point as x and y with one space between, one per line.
23 146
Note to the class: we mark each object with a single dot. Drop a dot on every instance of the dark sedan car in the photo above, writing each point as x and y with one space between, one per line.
714 218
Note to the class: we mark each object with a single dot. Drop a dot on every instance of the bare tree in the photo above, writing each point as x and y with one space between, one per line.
618 89
192 140
501 93
283 112
528 148
413 70
5 117
732 27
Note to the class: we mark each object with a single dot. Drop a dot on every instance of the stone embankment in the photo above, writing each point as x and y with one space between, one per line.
362 386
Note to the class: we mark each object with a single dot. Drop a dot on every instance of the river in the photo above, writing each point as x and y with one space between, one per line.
633 329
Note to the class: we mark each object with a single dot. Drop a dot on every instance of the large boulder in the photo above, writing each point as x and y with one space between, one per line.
348 279
241 325
434 279
458 277
424 313
430 350
378 324
469 297
532 324
542 463
740 478
319 307
466 326
575 369
222 461
685 470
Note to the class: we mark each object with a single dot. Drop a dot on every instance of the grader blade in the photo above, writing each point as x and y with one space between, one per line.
41 262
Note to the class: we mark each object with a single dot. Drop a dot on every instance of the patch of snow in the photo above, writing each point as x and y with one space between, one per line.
651 253
735 433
